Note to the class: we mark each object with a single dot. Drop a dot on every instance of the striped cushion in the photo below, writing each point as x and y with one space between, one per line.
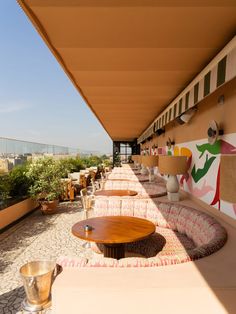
102 262
68 261
188 233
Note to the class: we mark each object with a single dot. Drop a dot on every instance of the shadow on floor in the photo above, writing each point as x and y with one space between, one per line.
20 237
16 239
10 302
69 207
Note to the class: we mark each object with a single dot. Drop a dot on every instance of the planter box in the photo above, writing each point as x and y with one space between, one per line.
14 212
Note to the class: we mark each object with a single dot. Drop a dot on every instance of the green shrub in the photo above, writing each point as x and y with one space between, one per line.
117 161
19 182
78 165
42 177
4 188
45 176
70 165
91 161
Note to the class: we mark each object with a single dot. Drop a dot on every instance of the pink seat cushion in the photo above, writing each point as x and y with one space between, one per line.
68 261
163 242
182 233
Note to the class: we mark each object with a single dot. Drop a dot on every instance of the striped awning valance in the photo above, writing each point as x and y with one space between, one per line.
219 71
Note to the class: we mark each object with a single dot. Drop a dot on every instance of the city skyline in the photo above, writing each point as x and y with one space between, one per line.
38 102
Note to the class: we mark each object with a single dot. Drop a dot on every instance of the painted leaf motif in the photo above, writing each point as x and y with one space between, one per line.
212 149
201 172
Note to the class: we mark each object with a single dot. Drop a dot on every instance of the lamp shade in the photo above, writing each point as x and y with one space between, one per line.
172 164
150 161
228 178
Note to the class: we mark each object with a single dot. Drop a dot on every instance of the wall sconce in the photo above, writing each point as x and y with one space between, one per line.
150 162
213 132
186 116
160 131
228 178
172 165
169 143
221 100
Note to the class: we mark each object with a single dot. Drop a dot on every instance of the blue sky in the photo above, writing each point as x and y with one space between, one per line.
37 100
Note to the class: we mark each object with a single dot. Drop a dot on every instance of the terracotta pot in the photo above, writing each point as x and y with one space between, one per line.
49 207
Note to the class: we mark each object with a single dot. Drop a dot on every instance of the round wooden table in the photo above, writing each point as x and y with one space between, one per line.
115 193
113 232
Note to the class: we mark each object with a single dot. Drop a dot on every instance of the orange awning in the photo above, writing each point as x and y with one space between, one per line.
130 58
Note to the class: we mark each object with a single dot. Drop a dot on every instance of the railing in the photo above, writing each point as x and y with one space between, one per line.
12 147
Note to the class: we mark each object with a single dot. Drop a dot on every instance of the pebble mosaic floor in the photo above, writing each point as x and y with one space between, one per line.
33 238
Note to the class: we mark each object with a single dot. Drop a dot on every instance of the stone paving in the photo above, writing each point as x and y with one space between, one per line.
36 237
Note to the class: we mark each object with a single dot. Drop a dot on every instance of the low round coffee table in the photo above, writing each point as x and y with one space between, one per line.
115 193
113 232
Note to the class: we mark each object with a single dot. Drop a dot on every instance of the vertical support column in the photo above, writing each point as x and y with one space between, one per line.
118 151
116 154
135 148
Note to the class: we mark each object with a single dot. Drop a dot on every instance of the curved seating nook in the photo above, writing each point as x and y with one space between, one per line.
200 234
145 189
193 233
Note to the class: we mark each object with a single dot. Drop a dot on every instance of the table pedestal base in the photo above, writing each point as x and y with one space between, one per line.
114 250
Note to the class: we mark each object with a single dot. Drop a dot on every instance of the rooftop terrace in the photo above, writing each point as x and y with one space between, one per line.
212 280
141 66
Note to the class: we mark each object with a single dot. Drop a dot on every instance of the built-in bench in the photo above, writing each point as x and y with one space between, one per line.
198 235
182 233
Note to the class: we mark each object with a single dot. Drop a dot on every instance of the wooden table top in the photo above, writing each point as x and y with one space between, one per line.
114 229
115 193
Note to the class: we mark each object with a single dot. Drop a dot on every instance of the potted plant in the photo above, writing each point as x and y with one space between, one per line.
46 187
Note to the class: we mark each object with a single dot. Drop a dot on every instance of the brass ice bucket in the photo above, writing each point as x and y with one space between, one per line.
37 278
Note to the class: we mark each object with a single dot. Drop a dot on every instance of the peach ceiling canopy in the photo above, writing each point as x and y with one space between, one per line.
130 58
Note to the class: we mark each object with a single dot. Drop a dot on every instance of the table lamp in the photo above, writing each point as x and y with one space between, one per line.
150 162
172 165
228 178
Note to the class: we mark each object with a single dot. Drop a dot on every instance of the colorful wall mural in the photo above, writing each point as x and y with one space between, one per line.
202 179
